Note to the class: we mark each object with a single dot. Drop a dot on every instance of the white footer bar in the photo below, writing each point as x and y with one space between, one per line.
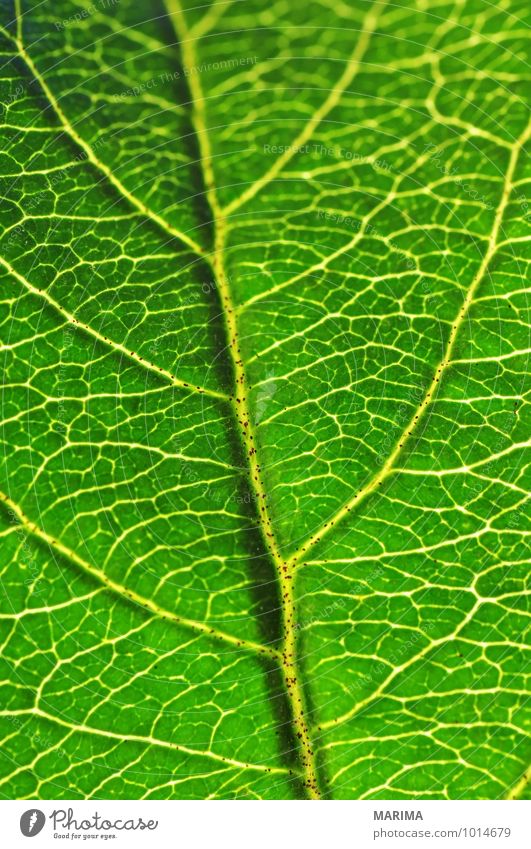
267 825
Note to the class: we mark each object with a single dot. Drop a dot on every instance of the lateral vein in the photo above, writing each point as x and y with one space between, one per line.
104 169
127 594
150 741
107 341
353 65
378 479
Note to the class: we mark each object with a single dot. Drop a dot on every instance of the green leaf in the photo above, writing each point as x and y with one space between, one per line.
264 335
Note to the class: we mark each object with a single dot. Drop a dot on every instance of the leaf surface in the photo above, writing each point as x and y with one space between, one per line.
265 418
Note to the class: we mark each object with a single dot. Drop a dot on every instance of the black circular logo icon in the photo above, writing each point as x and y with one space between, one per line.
31 822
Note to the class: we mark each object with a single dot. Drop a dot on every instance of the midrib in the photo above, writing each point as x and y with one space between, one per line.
285 573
